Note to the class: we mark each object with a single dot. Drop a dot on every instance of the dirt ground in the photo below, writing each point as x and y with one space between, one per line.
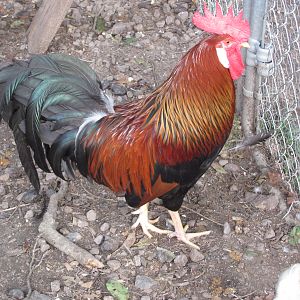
250 241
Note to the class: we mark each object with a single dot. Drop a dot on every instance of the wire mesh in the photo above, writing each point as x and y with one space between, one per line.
279 108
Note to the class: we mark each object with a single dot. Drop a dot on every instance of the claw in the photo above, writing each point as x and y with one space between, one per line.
180 231
147 224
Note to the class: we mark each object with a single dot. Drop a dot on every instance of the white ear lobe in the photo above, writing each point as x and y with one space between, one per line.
222 56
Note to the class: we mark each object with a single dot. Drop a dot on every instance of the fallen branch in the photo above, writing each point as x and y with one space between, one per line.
48 230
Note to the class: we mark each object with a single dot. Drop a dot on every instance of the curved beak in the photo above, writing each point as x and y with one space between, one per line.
245 45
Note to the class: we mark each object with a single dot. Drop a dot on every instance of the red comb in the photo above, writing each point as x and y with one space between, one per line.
223 24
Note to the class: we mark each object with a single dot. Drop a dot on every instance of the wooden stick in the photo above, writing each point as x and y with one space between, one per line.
48 230
46 23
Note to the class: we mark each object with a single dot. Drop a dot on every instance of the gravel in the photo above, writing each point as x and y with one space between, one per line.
145 283
16 294
165 255
181 260
110 244
91 215
196 255
55 286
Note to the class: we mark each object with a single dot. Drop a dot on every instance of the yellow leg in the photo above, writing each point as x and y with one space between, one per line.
180 232
147 224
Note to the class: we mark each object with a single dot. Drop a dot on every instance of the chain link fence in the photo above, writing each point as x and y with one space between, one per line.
279 107
271 86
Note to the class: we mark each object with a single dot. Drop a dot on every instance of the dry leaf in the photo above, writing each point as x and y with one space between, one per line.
235 255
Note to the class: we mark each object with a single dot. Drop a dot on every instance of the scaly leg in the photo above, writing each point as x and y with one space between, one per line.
180 232
147 224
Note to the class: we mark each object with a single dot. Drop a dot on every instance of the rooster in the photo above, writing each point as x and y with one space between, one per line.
157 147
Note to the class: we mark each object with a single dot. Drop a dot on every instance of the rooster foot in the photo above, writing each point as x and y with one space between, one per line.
147 224
180 231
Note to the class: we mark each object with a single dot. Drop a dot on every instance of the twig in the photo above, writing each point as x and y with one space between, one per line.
242 297
48 230
204 217
32 267
15 207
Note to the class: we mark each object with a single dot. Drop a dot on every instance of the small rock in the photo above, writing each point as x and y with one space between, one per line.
81 223
74 236
118 90
76 15
104 227
226 229
137 260
28 196
91 215
98 239
114 264
4 205
164 255
2 190
223 162
55 286
160 24
4 177
196 255
139 27
232 168
16 294
50 177
183 16
264 202
145 298
156 13
166 8
29 214
121 28
108 298
170 20
234 188
270 233
95 251
110 244
181 260
37 296
144 283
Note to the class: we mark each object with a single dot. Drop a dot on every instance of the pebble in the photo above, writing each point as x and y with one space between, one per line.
4 205
55 286
95 251
223 162
2 190
114 264
16 294
160 24
145 298
196 255
118 89
98 239
104 227
137 261
29 214
264 202
270 233
144 283
91 215
183 16
38 296
110 244
181 260
165 255
233 168
234 188
121 28
28 196
170 20
74 236
226 229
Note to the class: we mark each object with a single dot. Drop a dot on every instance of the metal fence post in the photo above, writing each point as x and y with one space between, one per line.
258 11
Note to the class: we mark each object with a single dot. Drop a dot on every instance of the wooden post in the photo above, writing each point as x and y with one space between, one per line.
46 23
